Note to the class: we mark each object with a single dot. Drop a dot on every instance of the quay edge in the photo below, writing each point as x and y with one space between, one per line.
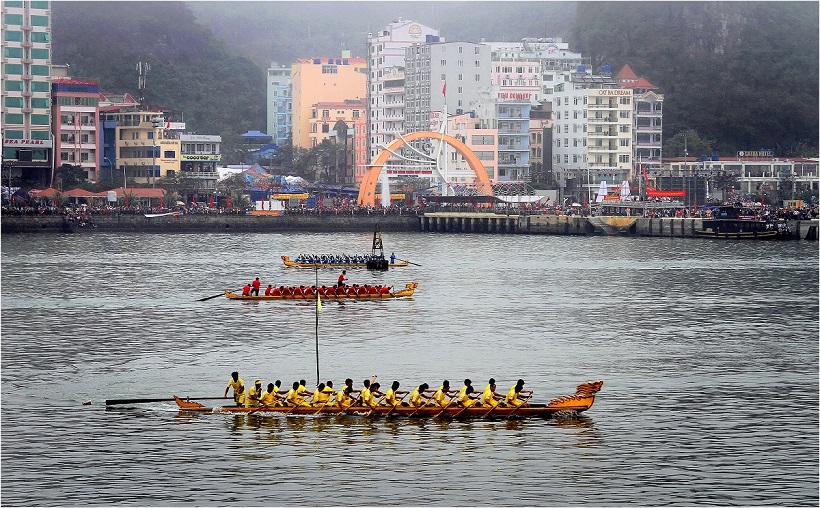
443 222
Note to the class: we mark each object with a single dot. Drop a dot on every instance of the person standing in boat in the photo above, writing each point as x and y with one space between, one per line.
235 382
254 394
392 258
256 285
342 278
240 396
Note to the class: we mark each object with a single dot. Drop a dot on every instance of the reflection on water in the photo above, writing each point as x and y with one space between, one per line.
709 352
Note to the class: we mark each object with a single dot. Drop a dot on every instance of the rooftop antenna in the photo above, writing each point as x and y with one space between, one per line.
142 69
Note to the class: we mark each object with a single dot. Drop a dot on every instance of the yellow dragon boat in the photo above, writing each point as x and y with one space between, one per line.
408 290
581 401
299 264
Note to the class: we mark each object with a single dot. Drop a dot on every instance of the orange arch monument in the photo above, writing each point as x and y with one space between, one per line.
367 191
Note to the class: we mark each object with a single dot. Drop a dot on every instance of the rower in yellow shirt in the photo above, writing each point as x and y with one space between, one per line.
270 397
417 397
463 390
466 400
235 382
490 398
344 398
320 396
254 394
443 392
329 391
366 396
302 390
294 398
512 399
390 396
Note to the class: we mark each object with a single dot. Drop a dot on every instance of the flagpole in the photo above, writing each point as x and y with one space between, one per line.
318 306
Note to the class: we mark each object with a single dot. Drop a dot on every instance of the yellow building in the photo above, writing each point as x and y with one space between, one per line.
318 80
145 152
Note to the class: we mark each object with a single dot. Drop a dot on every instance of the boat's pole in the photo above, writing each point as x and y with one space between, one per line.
316 272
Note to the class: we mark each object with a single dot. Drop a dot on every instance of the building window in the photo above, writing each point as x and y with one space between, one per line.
13 86
169 154
40 119
13 52
623 114
444 63
625 100
13 35
325 127
623 142
40 102
12 19
325 113
40 37
39 20
13 69
623 159
13 102
39 86
40 54
330 69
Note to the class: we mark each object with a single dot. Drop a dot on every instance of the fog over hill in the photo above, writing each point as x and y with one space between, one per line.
284 31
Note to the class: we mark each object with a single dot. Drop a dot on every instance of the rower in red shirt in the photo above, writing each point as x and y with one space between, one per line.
246 291
269 290
277 291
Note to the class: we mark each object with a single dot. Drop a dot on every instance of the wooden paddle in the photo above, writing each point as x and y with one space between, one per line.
410 262
214 296
397 405
516 407
378 402
426 402
454 397
111 402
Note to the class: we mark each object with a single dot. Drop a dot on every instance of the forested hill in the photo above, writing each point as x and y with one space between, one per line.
744 74
191 70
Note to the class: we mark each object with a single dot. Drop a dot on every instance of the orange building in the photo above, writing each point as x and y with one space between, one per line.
318 80
340 122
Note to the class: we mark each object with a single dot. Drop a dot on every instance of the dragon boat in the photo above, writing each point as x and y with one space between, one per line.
581 401
408 290
351 264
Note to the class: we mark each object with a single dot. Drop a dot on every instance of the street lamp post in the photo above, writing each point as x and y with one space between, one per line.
124 177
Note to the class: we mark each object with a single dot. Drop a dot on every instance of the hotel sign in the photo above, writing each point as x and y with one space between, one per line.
610 91
515 95
28 143
201 157
757 153
414 31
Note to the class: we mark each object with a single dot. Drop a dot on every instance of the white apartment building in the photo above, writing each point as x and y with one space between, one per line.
592 134
555 63
385 78
647 121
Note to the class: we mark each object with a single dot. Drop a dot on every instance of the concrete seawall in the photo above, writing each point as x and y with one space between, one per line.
444 222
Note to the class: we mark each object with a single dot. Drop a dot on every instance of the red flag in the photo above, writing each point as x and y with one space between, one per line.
444 89
212 202
228 202
160 202
168 124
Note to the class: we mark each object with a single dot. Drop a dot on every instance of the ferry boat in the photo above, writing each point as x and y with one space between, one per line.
737 223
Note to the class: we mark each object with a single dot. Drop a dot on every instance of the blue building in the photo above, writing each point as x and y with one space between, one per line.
513 126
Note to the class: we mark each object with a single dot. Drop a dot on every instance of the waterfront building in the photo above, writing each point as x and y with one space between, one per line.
323 79
335 121
483 143
555 60
76 125
279 103
385 78
26 93
109 169
747 173
540 130
513 117
592 133
200 155
449 77
147 142
647 119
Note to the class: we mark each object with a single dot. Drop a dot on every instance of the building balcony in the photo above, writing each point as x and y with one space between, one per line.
602 120
602 134
199 175
602 106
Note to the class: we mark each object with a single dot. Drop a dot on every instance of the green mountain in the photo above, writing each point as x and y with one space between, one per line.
191 70
742 74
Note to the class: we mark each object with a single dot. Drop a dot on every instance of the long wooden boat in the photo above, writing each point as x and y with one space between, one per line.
408 290
298 264
579 402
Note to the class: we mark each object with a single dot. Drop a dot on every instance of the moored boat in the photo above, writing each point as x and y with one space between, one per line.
581 401
735 223
354 262
408 290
